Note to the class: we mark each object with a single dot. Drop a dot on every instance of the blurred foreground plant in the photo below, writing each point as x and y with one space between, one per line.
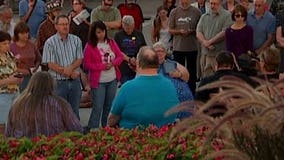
251 126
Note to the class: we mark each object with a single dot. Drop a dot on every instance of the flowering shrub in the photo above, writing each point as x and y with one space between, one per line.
105 143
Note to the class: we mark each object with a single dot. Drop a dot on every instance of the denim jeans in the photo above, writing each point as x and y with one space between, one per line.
71 91
102 99
6 100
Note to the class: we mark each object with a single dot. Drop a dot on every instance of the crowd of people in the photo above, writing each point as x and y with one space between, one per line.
50 61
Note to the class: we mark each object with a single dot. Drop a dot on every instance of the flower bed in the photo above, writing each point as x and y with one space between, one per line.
105 143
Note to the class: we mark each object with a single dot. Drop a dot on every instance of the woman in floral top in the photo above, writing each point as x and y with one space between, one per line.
8 79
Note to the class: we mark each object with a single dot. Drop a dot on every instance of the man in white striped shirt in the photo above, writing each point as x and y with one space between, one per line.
63 54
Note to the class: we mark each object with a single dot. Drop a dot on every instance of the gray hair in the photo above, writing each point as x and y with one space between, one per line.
161 45
5 8
128 20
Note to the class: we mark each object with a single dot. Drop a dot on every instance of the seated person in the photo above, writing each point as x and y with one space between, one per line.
145 99
269 64
224 67
38 111
175 72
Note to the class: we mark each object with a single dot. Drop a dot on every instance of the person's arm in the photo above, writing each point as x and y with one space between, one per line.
10 80
154 37
279 37
116 24
113 24
266 44
113 120
184 72
217 38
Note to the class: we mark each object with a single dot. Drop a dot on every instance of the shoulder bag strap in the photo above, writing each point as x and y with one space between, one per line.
31 12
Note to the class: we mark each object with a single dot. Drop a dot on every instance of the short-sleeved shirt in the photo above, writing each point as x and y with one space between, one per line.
186 19
37 16
262 27
130 44
62 52
239 41
27 55
144 101
112 14
210 25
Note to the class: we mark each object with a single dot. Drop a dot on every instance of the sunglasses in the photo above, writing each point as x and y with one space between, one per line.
107 4
239 15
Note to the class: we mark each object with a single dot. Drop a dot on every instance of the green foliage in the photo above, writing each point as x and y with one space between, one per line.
105 143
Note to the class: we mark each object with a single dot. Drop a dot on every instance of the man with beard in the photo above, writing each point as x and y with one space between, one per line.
47 29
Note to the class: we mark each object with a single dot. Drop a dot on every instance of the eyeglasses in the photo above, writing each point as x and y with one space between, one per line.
258 5
107 4
239 15
63 24
76 3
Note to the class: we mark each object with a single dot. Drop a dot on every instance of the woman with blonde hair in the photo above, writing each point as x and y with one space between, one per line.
38 111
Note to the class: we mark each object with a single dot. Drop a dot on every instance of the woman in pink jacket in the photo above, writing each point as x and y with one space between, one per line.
102 57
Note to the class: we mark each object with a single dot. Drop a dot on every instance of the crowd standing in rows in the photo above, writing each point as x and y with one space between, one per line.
96 51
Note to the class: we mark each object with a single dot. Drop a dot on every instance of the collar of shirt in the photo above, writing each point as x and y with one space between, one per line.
60 38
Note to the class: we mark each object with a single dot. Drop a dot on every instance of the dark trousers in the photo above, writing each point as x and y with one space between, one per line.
188 59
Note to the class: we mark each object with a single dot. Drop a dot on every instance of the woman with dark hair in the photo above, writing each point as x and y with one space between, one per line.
170 4
160 30
38 111
239 36
102 58
80 27
27 55
9 79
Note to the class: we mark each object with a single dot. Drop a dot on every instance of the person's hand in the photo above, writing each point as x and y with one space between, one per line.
183 32
175 74
132 61
108 66
206 43
72 14
75 74
211 47
15 80
67 71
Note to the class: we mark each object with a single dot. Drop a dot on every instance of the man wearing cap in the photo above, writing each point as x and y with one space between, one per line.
46 28
6 23
129 41
109 15
33 13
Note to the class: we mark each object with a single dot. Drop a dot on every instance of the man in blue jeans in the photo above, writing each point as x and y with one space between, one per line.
63 54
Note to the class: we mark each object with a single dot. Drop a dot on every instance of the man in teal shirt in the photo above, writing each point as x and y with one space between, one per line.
145 99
